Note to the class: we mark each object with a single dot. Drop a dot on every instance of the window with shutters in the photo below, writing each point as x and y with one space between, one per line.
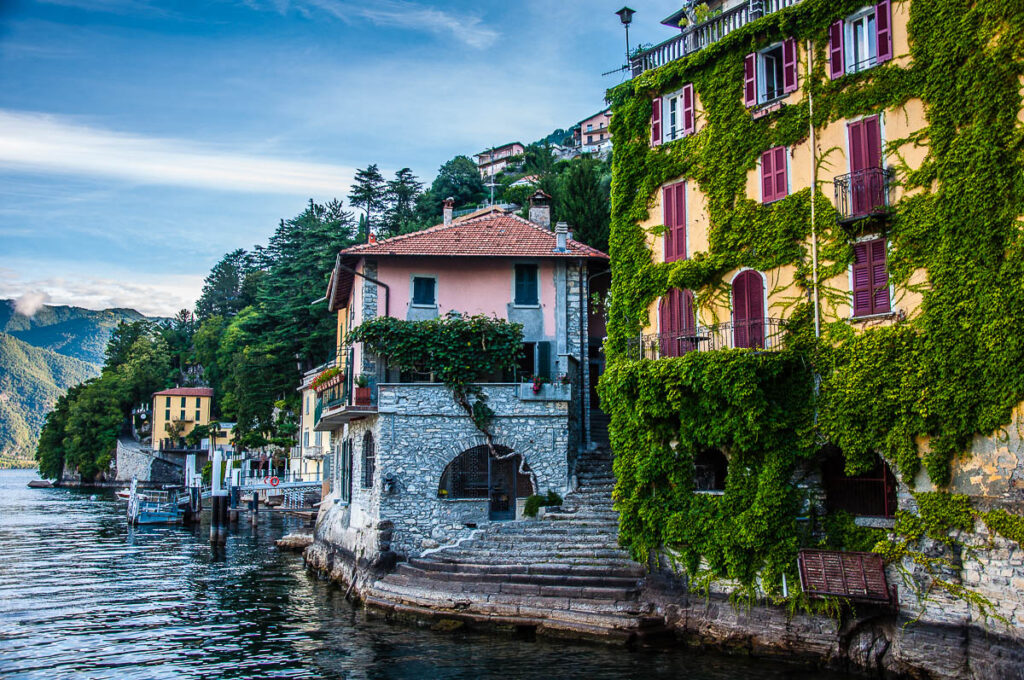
861 41
424 291
369 460
870 279
673 206
677 114
677 323
527 292
770 74
774 174
748 302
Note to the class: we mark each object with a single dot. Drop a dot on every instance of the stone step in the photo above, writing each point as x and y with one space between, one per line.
523 584
630 570
548 559
627 581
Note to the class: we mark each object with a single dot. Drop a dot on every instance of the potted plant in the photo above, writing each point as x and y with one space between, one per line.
538 383
362 391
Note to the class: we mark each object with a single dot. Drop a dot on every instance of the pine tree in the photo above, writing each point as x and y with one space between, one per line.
369 193
223 288
583 204
402 193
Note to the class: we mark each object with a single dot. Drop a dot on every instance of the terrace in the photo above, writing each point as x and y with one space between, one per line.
762 334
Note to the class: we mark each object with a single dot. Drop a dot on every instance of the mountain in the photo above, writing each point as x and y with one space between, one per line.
71 331
31 379
41 356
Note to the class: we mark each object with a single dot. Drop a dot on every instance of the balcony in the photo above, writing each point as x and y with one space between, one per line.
763 335
864 193
340 403
696 38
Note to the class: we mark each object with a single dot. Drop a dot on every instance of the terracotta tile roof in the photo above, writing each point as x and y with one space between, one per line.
185 392
491 235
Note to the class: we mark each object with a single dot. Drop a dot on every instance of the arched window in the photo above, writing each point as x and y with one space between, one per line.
475 474
748 310
709 468
369 460
345 471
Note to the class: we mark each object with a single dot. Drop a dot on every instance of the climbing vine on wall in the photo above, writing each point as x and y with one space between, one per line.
915 392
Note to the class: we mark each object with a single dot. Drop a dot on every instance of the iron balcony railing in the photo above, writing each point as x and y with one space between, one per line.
698 37
763 334
863 193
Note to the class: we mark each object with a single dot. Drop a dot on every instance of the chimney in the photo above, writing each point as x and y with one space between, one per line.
540 209
372 238
449 206
561 236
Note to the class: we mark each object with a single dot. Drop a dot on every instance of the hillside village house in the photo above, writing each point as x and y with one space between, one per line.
494 161
409 469
748 255
310 456
592 134
176 412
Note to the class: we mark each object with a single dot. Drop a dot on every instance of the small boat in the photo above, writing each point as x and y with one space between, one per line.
125 494
156 507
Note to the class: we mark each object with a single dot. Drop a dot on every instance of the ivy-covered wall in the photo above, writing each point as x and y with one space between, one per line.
915 390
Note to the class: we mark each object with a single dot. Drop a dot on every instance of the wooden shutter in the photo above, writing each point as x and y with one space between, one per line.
544 359
883 31
656 121
689 126
679 221
767 177
780 165
872 133
879 278
750 80
861 280
836 67
789 64
739 311
748 310
668 219
858 147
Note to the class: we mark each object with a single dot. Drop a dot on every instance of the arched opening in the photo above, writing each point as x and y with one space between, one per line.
369 460
869 494
748 310
678 323
476 474
709 470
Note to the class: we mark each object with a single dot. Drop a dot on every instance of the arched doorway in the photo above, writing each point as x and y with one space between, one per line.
748 310
501 478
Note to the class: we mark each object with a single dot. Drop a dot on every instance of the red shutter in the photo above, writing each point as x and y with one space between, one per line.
836 67
872 131
739 311
664 327
883 31
780 165
688 321
879 278
679 222
858 147
789 71
767 177
749 80
668 219
748 310
862 293
688 122
656 121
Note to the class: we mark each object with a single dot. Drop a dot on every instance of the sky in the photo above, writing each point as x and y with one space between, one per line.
142 140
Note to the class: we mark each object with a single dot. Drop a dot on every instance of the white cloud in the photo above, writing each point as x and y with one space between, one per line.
30 302
153 295
47 143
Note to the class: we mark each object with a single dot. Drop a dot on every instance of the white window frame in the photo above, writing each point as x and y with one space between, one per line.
671 131
868 18
412 291
761 74
892 288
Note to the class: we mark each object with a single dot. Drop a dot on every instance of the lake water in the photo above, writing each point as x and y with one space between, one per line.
82 595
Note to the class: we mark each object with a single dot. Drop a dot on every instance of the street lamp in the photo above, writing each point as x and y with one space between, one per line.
626 17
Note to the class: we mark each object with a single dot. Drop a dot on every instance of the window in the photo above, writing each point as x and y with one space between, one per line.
182 415
590 127
308 399
317 439
672 116
709 469
774 182
197 417
868 494
868 187
770 74
860 41
345 472
677 323
870 278
167 413
673 206
198 404
526 284
305 438
590 139
424 289
167 402
183 402
369 460
748 310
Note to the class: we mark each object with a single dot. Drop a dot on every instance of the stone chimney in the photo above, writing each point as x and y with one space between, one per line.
449 207
372 238
540 209
561 237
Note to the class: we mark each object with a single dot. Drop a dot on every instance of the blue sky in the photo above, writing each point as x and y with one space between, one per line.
141 140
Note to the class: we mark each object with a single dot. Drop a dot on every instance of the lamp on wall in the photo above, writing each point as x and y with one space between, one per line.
626 17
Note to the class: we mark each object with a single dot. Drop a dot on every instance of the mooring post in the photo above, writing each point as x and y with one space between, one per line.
254 507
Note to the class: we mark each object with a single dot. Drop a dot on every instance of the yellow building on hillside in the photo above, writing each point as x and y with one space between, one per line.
176 412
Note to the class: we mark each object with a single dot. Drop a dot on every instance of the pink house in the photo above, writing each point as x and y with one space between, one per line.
495 160
592 132
404 453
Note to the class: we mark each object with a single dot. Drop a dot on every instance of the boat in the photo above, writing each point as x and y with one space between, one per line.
126 493
155 507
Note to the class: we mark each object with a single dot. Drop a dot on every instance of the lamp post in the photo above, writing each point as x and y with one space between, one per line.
626 17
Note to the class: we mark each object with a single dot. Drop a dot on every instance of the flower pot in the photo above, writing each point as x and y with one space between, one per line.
362 396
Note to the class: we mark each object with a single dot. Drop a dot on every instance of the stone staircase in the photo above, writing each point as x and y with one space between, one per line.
561 575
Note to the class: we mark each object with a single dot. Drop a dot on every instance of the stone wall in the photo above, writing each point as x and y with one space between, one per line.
134 460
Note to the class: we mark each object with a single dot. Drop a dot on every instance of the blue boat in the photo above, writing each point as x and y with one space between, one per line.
156 507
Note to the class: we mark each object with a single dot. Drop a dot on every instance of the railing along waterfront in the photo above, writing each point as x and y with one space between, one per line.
862 193
695 38
763 334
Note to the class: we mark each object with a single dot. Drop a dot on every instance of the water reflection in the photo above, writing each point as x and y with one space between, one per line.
83 595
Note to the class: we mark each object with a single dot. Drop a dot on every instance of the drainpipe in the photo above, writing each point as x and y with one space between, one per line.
387 289
814 193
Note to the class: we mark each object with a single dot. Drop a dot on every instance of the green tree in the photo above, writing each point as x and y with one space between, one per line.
583 204
121 340
369 193
224 289
460 179
401 197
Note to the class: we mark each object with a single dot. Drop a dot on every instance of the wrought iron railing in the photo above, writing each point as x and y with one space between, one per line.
703 34
863 193
762 334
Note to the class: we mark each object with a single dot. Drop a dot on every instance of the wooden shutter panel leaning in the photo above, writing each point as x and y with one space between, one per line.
750 80
789 66
656 121
862 293
883 31
767 177
836 67
689 125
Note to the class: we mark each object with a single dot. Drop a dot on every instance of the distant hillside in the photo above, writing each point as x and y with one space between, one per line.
31 379
72 331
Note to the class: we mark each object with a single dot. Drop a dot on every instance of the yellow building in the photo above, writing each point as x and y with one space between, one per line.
177 411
